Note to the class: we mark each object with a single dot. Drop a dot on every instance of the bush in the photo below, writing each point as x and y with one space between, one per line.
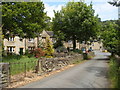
39 53
49 56
49 50
85 56
78 51
29 53
114 73
61 49
11 57
58 44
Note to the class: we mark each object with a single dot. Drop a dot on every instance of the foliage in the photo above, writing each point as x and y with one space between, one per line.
109 34
76 21
29 53
115 3
61 49
58 43
85 56
48 23
23 18
118 34
12 57
114 73
77 51
40 44
39 52
49 50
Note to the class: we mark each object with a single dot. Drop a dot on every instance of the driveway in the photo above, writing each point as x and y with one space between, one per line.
91 74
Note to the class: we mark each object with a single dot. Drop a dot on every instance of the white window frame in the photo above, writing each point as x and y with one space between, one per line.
11 49
31 40
11 39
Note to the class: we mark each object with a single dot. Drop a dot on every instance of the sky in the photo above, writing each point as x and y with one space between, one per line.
104 10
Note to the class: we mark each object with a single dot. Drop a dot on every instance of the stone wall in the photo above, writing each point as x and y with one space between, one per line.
4 75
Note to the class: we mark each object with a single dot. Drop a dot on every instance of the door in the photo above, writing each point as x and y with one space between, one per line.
21 51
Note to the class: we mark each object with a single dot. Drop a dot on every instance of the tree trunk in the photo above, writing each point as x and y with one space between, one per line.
112 54
25 44
74 43
37 41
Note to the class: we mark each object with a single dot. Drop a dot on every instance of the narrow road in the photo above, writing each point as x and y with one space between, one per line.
91 74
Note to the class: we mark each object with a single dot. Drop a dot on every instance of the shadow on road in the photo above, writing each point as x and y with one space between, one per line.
104 59
98 71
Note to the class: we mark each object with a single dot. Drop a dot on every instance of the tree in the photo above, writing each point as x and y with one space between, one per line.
48 23
1 43
109 36
118 34
23 18
115 3
76 21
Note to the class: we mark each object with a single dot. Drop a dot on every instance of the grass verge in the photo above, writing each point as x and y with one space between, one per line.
114 73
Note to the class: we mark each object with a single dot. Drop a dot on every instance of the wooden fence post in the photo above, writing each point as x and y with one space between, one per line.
9 73
25 69
40 67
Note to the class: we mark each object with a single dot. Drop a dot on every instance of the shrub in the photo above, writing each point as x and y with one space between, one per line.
85 56
61 49
29 53
39 53
11 57
49 50
49 56
78 51
114 73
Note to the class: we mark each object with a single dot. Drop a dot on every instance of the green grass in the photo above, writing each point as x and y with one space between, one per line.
17 58
20 64
114 74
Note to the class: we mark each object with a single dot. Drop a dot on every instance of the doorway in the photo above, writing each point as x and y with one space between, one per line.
21 51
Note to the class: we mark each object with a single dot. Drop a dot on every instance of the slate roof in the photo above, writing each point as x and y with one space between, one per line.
50 33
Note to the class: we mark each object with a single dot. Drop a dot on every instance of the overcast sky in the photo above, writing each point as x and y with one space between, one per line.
101 7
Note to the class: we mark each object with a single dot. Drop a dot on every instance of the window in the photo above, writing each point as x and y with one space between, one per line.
11 39
31 48
11 49
31 40
21 39
69 41
43 37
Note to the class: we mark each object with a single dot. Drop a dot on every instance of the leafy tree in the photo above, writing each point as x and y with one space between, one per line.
115 3
48 23
109 36
76 21
59 36
23 18
118 34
